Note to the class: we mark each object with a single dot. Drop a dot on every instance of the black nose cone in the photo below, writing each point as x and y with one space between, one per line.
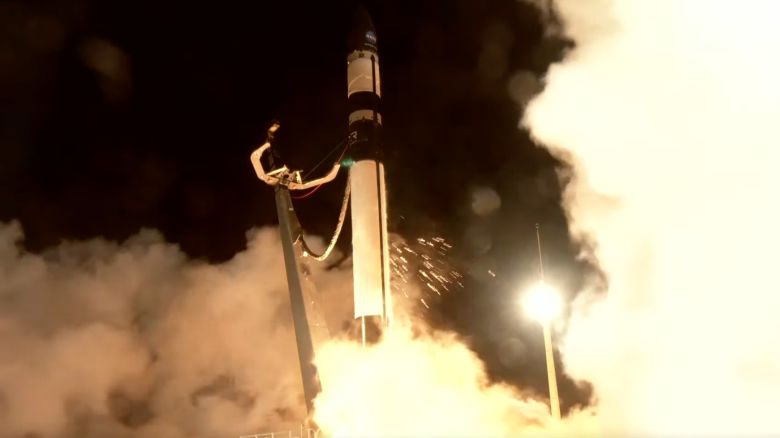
363 36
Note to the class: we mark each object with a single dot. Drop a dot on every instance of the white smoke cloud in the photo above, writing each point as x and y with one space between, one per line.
667 112
136 340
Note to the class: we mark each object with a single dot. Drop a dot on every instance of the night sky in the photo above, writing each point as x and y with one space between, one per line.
115 116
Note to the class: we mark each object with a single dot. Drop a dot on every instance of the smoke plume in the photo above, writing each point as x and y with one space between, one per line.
416 383
136 340
667 113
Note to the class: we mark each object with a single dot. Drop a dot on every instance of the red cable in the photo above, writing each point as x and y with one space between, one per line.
307 194
312 191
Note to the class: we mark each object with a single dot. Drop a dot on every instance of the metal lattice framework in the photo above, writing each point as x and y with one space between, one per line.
303 432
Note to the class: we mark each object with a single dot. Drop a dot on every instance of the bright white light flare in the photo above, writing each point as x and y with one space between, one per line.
542 303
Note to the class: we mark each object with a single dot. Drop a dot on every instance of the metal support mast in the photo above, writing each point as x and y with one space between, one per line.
290 231
552 381
283 180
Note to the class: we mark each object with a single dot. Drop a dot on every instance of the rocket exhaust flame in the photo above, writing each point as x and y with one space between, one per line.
424 384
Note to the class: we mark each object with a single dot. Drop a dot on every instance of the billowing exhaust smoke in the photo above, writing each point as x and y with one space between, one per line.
136 340
667 113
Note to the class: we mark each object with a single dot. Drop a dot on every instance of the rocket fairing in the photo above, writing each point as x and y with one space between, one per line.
370 255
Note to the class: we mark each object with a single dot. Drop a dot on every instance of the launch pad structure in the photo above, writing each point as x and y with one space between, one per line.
283 180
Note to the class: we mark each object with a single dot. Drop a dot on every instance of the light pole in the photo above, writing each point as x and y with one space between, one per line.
555 404
543 304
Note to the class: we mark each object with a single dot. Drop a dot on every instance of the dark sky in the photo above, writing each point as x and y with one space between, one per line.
127 114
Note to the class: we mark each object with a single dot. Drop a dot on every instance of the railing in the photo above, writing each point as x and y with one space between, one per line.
302 433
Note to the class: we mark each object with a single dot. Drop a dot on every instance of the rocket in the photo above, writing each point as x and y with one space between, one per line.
370 255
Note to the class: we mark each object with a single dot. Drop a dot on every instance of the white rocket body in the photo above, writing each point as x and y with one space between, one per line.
370 255
369 240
